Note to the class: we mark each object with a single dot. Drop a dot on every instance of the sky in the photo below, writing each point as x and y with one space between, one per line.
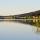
15 7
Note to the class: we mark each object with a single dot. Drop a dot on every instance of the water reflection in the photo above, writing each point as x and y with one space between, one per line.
17 31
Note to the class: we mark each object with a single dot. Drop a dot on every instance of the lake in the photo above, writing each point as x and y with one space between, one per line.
17 31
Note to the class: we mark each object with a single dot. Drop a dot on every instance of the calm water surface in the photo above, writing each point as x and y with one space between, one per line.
17 31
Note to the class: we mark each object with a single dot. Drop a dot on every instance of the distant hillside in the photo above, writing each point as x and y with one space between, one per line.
30 13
